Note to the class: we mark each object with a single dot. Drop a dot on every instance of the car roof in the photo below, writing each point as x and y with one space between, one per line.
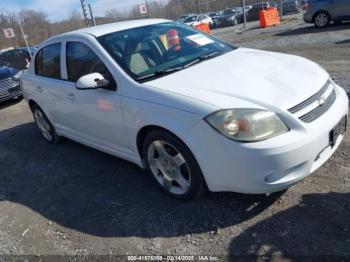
111 27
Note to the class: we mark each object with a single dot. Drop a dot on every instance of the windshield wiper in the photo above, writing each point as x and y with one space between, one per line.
202 58
211 55
170 70
161 72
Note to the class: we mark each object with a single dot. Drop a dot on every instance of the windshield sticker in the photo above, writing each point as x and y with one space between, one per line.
200 39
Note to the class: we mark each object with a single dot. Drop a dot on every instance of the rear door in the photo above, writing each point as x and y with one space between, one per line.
48 85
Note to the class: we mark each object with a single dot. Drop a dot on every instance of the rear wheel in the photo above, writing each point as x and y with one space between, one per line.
173 165
322 19
44 125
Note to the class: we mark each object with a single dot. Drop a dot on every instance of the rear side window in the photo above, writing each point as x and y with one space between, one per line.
48 61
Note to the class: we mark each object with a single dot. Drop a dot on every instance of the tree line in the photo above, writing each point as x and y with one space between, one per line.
38 27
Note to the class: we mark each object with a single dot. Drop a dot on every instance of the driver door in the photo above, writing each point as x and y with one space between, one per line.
95 116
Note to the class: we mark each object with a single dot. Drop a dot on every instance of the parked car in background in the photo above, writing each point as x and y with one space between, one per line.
16 58
291 6
230 17
160 94
322 13
9 83
31 50
215 16
253 13
182 18
199 19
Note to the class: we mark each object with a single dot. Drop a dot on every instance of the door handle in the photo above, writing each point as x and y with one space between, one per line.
71 96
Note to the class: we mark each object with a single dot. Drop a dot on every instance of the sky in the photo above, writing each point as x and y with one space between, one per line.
59 9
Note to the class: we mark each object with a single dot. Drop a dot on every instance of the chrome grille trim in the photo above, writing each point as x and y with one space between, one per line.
8 83
319 111
310 100
315 106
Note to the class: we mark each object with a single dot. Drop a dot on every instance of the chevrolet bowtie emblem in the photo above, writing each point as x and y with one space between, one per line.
321 101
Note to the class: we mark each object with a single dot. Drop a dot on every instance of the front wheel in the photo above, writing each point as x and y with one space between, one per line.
322 19
44 125
173 166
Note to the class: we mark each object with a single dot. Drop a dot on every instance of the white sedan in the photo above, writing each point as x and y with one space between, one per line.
197 113
196 20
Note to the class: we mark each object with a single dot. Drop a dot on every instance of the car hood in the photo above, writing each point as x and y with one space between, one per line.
6 72
263 78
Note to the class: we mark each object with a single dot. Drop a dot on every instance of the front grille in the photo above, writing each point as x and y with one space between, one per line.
7 83
319 111
310 100
315 101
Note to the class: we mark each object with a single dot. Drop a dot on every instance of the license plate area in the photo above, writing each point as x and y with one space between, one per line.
338 130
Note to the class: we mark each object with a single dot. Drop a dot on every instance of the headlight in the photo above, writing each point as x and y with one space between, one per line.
247 125
18 75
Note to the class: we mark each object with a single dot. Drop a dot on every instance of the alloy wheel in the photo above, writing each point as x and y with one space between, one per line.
321 20
169 167
43 125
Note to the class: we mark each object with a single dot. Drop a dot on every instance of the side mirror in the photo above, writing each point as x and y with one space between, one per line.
92 81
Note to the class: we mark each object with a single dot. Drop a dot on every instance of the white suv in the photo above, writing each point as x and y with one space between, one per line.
162 95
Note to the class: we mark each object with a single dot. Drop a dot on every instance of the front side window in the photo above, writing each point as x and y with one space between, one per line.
155 50
48 61
4 57
81 60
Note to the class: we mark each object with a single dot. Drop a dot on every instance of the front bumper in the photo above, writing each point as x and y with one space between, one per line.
10 93
271 165
224 23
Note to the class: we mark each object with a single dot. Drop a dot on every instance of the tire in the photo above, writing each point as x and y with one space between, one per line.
46 128
169 160
322 19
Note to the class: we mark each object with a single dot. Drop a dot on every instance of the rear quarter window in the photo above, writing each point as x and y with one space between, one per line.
48 61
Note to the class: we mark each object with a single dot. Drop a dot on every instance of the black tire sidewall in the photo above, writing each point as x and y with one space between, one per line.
55 138
198 185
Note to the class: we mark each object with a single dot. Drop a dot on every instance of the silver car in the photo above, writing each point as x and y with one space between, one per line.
323 12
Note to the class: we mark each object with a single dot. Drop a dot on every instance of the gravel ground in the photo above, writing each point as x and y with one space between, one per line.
72 200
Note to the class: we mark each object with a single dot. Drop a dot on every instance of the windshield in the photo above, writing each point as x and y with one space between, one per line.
229 12
151 51
191 19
